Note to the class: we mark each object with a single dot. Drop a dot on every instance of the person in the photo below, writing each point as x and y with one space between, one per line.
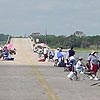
45 52
33 47
68 66
71 52
40 52
88 64
73 72
11 48
61 58
51 55
79 67
72 62
61 49
1 52
55 56
6 54
61 62
93 62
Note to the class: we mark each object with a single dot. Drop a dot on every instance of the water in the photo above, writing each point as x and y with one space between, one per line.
85 55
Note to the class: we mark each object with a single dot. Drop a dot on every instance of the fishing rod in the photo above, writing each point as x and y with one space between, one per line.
96 84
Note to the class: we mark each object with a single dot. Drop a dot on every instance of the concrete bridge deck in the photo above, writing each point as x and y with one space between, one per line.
27 79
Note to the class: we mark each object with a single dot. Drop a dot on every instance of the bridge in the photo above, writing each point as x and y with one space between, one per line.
27 79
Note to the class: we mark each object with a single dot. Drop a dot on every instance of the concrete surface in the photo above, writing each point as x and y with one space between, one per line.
27 79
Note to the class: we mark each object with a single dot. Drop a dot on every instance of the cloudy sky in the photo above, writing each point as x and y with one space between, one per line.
59 17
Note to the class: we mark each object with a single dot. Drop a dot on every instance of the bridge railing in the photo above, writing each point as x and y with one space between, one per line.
8 40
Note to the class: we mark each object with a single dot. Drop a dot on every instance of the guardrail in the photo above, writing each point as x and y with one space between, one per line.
8 40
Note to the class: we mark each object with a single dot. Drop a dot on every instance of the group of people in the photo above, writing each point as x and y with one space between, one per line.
6 52
75 66
44 53
68 60
60 56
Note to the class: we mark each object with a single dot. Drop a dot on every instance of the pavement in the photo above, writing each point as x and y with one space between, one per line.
27 79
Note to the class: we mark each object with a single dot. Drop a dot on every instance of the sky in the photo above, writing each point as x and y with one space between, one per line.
56 17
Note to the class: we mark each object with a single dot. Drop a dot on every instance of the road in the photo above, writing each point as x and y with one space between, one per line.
27 79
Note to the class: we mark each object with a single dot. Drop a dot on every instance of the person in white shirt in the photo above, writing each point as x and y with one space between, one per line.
45 52
79 67
56 57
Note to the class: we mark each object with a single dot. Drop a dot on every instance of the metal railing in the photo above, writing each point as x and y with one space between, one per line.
8 40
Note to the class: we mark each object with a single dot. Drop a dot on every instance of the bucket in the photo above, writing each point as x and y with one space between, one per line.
70 75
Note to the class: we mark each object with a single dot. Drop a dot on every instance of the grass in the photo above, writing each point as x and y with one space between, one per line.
85 50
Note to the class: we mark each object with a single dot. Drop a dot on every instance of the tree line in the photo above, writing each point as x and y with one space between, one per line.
63 41
3 39
68 41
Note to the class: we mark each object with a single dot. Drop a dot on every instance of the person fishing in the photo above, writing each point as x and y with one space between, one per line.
93 63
